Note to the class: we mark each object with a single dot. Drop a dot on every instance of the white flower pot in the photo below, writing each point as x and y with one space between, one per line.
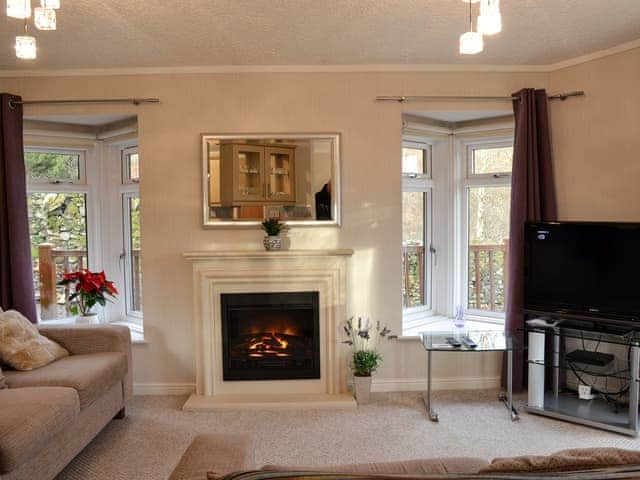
362 389
87 319
272 242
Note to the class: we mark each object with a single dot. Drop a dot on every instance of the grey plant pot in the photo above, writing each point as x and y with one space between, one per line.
272 242
362 389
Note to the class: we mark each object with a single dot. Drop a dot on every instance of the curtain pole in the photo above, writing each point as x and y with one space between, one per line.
445 98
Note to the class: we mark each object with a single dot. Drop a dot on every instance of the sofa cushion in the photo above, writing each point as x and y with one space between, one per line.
21 345
427 466
29 418
3 383
91 375
564 461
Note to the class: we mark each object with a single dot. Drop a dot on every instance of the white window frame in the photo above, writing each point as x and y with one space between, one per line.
135 315
85 185
128 189
466 181
126 170
422 183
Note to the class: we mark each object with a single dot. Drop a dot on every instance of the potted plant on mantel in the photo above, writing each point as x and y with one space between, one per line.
272 227
363 338
89 289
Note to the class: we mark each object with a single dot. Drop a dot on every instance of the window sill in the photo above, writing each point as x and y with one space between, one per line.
137 333
442 323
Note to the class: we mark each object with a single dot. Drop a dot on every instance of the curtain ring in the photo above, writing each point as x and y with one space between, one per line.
12 104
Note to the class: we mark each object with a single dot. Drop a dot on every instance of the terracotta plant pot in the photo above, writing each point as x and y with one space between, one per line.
272 242
362 389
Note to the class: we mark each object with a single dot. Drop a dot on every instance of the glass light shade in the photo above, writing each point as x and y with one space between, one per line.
26 47
44 18
19 8
55 4
490 24
471 43
489 20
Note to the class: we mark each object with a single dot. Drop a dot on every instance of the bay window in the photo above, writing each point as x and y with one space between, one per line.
456 195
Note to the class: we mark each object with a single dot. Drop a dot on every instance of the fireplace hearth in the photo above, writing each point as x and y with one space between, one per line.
270 336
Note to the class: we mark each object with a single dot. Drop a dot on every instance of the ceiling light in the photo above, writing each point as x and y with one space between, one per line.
19 8
471 42
26 47
490 19
44 18
55 4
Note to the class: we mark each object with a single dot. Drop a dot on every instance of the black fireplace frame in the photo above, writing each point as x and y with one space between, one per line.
271 301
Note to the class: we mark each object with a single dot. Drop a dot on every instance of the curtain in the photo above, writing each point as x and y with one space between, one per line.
533 198
16 274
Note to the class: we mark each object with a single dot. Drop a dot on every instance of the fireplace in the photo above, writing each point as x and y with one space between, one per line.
270 336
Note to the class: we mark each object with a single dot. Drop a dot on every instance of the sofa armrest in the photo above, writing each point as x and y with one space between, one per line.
216 453
84 339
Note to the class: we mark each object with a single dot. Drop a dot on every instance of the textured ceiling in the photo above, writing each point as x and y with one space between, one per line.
146 33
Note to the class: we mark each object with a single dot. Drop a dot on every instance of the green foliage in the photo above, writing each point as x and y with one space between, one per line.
273 226
51 166
365 362
57 218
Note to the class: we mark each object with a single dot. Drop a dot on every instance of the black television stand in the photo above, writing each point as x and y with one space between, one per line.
602 412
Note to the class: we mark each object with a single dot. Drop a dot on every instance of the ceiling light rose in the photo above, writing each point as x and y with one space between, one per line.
55 4
26 47
471 43
19 8
490 19
44 18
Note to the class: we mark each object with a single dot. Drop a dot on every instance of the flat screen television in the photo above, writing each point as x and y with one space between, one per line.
583 268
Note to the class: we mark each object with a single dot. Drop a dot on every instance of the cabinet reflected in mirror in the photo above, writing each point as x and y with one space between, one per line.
248 178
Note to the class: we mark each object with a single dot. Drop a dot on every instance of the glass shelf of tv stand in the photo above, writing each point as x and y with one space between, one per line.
612 411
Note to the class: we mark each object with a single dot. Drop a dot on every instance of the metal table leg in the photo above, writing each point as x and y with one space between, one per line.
507 398
433 416
633 387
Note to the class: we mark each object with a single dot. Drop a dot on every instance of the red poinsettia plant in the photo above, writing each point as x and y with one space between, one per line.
90 288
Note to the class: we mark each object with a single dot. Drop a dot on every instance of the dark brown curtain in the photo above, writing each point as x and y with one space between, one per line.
16 276
533 198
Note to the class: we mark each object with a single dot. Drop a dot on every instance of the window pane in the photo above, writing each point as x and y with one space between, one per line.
413 264
492 160
58 230
412 160
131 171
135 261
488 241
51 166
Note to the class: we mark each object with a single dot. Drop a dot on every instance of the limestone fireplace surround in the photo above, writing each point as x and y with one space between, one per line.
219 272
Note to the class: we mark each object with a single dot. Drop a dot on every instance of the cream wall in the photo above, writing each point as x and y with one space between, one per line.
597 140
371 140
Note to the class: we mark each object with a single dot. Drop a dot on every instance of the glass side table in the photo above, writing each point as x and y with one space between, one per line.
486 341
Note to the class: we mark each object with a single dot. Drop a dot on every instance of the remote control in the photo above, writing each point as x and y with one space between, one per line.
453 342
468 342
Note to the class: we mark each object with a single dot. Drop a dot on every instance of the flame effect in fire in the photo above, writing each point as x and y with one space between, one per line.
269 345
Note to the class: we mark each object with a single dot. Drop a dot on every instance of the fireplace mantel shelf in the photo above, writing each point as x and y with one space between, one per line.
213 254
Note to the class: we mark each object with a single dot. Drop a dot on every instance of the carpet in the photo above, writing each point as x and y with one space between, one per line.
148 443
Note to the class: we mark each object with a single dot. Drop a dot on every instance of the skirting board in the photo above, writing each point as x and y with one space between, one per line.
164 388
379 385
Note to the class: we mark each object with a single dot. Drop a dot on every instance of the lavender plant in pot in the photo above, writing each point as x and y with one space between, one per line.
272 227
363 338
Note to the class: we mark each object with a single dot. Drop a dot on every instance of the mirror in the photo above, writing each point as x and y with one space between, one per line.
249 178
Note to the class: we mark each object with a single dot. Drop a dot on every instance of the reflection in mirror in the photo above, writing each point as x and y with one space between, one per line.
250 178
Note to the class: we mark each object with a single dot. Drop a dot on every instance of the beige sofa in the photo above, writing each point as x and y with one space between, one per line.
216 455
49 415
